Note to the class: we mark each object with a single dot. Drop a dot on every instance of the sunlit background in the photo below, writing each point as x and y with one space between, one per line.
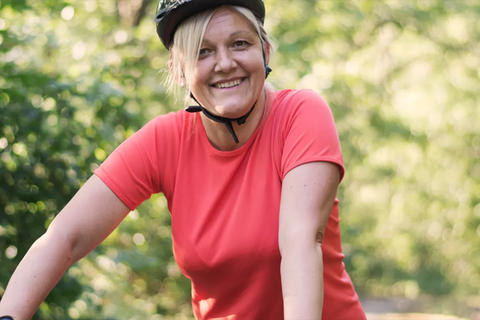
402 78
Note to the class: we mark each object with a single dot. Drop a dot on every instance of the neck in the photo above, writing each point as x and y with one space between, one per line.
220 137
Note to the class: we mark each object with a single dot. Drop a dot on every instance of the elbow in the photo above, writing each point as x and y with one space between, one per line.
319 237
300 242
61 243
51 248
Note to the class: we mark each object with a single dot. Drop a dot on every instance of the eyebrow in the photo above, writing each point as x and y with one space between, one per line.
232 35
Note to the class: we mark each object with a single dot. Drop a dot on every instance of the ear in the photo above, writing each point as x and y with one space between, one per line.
267 49
182 82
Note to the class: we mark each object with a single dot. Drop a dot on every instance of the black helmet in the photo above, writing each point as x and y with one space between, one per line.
170 13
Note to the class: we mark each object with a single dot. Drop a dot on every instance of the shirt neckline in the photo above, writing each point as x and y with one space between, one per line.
269 102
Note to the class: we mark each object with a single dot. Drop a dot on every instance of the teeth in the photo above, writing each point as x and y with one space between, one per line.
228 84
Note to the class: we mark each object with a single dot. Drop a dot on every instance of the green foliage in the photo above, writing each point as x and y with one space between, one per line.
78 77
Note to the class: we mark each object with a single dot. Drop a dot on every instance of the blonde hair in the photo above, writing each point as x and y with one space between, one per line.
188 39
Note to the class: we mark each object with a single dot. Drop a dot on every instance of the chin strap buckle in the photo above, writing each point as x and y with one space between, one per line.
226 121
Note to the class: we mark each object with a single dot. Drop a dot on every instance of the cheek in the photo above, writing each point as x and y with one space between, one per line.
193 82
199 75
256 64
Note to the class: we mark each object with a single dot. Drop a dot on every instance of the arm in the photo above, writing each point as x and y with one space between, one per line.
308 192
89 217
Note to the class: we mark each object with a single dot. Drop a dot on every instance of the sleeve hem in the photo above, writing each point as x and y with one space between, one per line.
115 188
318 159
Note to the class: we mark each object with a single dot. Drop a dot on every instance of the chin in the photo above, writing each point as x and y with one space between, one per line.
233 111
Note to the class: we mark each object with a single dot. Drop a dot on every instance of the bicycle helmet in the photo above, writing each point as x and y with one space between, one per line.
170 13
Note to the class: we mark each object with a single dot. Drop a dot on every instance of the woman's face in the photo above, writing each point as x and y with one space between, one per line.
229 74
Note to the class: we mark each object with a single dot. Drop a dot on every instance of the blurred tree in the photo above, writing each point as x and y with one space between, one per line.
132 12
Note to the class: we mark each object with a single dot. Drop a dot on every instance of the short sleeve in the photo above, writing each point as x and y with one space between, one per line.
139 166
310 134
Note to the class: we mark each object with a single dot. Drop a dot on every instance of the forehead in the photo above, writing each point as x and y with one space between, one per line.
226 21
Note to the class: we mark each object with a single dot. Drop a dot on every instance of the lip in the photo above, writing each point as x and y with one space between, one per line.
214 84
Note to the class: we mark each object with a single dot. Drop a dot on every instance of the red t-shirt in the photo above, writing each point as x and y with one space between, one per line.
224 205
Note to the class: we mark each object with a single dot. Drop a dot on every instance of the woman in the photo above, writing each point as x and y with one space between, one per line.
250 175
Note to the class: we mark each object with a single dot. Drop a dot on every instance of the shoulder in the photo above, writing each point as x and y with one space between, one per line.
302 98
290 104
164 126
167 119
155 138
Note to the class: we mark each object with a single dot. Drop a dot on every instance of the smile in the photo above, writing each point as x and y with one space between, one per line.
229 84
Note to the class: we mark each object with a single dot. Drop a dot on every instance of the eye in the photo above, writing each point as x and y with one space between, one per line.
239 44
203 52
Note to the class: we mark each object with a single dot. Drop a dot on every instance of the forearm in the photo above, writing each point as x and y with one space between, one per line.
35 276
302 281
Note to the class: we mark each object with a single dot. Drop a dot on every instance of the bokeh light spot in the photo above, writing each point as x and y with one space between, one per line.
100 154
120 37
67 13
20 149
79 50
138 239
3 143
11 252
91 5
49 104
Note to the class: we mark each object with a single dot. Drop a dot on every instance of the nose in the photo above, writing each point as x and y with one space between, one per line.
225 61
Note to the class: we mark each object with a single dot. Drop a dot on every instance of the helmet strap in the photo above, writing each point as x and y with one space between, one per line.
265 65
226 121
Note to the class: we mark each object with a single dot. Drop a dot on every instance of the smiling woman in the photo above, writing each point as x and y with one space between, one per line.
250 176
